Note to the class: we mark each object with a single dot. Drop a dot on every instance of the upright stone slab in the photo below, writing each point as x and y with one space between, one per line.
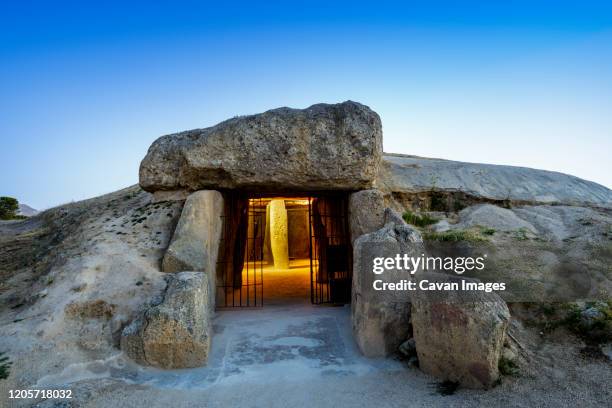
366 212
323 147
459 334
381 319
177 332
279 239
195 243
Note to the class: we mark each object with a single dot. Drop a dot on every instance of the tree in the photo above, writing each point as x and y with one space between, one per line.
8 208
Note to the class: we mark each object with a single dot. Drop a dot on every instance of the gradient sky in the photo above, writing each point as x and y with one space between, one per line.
85 89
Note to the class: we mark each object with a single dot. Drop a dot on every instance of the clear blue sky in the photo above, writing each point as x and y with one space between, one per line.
85 89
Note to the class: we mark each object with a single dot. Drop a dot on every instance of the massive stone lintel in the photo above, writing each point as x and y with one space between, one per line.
322 147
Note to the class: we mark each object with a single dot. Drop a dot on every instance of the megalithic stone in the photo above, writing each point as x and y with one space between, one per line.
279 234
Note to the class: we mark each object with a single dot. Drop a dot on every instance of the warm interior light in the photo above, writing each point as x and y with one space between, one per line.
285 265
300 202
279 229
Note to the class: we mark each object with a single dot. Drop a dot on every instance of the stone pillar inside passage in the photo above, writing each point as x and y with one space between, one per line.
279 234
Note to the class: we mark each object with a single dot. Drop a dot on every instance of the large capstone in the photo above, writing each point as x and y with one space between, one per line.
381 318
459 334
322 147
175 333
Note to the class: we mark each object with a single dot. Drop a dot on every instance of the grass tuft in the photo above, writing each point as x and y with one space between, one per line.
507 367
454 236
5 365
418 220
487 231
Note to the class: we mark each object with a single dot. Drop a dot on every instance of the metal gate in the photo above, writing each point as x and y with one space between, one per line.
330 257
240 260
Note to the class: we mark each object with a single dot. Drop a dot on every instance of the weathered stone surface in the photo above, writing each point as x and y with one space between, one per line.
381 318
177 332
195 243
501 219
411 174
366 212
90 309
170 195
555 253
459 335
318 148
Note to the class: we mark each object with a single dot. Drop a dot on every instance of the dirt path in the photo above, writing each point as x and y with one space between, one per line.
303 356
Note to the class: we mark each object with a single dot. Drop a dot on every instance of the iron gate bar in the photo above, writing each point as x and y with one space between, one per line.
331 278
310 252
236 272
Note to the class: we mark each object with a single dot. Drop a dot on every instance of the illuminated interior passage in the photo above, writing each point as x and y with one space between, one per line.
283 285
280 257
278 249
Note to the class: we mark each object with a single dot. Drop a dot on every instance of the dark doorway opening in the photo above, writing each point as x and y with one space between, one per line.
279 247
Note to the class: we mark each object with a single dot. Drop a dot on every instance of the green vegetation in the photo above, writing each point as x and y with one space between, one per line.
438 201
487 231
458 205
418 220
454 236
597 328
592 321
507 367
446 201
9 207
5 365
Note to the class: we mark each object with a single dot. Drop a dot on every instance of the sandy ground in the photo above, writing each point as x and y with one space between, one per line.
299 355
263 283
287 285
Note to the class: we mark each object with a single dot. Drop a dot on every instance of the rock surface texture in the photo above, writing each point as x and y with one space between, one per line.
318 148
366 212
459 335
556 253
175 333
381 318
411 174
195 243
501 219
